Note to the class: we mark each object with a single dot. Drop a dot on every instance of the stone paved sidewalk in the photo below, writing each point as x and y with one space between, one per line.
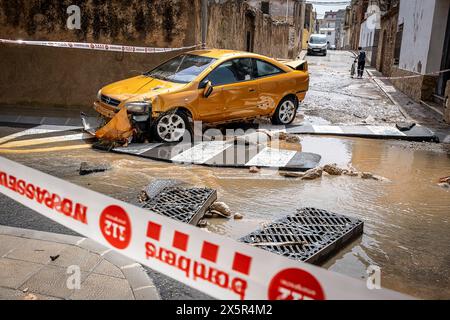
38 265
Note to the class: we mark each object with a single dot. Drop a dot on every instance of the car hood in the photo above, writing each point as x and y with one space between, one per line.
140 86
317 46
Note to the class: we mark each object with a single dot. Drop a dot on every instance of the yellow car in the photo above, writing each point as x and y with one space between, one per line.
213 86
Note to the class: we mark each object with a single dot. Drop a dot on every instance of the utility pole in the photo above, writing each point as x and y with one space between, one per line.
204 22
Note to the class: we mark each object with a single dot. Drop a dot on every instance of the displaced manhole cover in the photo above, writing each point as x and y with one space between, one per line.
311 235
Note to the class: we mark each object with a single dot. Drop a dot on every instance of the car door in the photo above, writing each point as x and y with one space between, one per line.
241 96
234 91
271 86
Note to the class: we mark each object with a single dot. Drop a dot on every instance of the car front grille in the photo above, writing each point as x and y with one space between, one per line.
110 101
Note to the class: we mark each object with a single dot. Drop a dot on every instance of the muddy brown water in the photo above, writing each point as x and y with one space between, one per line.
407 229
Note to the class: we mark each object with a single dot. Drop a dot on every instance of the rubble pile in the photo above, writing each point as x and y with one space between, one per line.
330 169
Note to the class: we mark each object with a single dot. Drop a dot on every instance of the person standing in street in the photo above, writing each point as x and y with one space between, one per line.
361 62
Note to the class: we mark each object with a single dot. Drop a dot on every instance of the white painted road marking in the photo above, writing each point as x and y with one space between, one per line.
37 141
328 129
37 130
270 157
202 152
138 149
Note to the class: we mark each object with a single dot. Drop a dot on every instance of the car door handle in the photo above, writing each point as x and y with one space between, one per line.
251 90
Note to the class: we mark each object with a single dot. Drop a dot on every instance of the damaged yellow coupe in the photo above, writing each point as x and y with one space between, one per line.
212 86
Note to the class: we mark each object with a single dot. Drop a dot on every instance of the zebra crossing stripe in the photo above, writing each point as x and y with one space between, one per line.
137 148
202 152
270 157
385 130
328 129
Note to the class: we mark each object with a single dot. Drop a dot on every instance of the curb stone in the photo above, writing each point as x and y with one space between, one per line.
141 284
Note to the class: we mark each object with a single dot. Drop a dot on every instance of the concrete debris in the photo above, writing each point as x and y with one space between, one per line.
405 126
369 120
238 216
30 296
291 138
218 214
444 185
332 169
291 174
254 170
313 174
86 168
444 179
202 223
208 214
221 207
350 172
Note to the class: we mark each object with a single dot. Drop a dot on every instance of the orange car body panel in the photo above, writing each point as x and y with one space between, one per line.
241 100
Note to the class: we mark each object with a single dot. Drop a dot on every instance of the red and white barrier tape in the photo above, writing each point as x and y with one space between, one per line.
213 264
96 46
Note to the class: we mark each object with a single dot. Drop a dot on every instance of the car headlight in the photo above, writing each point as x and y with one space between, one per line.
138 106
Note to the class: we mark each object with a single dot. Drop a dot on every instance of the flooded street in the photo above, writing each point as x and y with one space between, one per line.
406 219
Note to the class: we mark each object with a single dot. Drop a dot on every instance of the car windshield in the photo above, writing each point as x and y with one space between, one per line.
182 69
318 40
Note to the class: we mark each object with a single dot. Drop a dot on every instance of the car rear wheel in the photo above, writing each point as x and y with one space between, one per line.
285 112
172 127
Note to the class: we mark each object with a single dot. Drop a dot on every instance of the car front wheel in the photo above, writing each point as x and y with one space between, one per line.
171 127
285 112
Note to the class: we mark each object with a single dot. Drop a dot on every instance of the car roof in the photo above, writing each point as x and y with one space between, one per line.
222 54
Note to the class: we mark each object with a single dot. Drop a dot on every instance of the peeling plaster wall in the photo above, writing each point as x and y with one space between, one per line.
417 17
43 76
229 22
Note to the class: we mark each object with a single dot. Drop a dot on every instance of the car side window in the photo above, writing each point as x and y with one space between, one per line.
231 71
266 69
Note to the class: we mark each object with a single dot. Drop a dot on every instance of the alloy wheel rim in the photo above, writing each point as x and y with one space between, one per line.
287 112
171 128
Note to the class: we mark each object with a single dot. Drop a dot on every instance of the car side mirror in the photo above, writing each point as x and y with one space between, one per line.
208 89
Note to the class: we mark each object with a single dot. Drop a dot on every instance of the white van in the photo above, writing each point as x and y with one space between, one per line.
317 44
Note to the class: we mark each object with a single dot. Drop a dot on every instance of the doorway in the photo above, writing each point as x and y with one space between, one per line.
445 64
249 31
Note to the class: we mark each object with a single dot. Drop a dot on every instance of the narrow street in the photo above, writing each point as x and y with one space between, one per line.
406 216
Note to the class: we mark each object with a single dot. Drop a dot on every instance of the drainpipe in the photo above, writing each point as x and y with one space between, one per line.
204 22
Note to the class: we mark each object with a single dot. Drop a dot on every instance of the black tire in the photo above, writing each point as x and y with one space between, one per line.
172 133
278 118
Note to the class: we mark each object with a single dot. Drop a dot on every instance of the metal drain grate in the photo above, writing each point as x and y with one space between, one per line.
183 204
311 235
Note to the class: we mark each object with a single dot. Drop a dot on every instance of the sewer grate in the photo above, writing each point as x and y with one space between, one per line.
187 205
311 235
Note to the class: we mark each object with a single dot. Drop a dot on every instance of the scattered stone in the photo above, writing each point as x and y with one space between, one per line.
208 215
291 174
53 258
291 138
202 223
444 180
333 169
217 214
405 126
30 296
254 170
350 172
369 120
238 216
143 197
221 207
368 175
444 185
25 290
313 174
86 168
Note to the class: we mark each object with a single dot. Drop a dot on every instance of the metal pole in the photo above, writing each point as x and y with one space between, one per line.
204 22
